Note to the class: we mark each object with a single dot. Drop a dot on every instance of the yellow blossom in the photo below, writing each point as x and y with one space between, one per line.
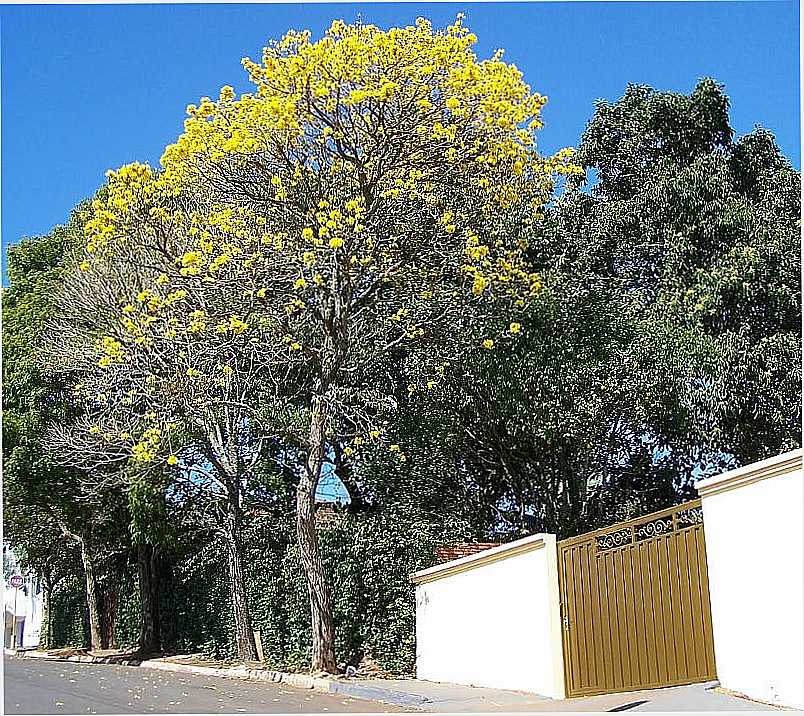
143 452
236 325
479 284
191 258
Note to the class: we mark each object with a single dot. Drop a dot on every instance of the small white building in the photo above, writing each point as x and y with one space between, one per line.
22 610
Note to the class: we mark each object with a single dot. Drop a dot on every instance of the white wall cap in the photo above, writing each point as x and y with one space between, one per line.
493 554
772 466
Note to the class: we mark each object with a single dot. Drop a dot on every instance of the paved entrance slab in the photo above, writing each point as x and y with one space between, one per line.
452 698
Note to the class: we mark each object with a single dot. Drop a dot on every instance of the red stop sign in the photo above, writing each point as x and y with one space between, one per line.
16 581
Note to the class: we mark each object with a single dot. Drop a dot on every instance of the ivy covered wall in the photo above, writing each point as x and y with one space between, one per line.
369 558
69 617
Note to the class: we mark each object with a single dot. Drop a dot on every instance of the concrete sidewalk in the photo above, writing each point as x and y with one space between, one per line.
435 697
452 698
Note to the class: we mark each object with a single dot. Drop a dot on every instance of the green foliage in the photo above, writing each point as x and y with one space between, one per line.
48 508
34 488
35 270
667 343
707 240
372 559
625 142
127 624
70 621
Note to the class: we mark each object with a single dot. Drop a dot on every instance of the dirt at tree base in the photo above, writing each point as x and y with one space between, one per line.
69 651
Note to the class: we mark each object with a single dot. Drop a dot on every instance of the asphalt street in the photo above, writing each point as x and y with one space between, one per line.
37 686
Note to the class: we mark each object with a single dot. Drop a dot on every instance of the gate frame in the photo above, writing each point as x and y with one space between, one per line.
618 526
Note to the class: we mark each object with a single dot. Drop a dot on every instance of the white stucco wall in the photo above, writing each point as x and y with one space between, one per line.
754 527
28 605
493 623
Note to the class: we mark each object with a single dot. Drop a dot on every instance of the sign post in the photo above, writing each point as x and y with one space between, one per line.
258 644
16 582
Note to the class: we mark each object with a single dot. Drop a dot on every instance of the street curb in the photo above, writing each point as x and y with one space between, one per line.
79 659
299 681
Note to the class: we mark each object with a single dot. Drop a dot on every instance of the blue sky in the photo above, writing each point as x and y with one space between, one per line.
86 88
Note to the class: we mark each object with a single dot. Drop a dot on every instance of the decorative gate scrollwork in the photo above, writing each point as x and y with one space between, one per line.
614 539
664 523
654 528
689 517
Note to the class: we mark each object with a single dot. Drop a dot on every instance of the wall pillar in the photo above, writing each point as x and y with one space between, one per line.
754 528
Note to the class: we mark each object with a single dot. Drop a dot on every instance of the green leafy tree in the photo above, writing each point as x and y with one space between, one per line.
667 343
44 512
706 230
32 513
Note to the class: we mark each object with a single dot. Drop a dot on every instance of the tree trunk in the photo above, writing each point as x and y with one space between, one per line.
323 657
156 605
107 603
246 648
148 570
92 597
45 626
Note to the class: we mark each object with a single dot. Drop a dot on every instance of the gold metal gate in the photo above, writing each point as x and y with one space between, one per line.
635 604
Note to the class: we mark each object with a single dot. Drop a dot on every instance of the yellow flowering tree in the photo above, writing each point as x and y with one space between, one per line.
368 200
